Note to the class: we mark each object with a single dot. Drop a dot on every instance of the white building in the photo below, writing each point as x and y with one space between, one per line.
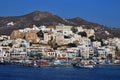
96 44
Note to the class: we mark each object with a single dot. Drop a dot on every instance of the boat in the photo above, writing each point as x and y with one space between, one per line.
88 66
41 63
35 64
84 65
2 61
57 62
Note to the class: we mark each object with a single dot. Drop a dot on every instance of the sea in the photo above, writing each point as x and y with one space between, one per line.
14 72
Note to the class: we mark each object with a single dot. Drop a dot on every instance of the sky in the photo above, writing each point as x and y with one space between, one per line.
105 12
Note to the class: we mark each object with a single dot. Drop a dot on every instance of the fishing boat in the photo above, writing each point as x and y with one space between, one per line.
84 65
41 63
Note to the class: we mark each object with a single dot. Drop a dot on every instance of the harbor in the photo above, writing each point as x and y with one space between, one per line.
46 63
58 46
15 72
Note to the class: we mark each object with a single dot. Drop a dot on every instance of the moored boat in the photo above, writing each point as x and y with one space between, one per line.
2 61
88 66
84 65
41 63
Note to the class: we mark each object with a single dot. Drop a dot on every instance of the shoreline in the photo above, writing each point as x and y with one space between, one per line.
30 65
107 64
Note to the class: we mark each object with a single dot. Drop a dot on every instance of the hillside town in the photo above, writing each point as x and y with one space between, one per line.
57 45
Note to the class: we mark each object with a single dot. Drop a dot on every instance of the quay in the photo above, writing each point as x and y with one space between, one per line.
53 65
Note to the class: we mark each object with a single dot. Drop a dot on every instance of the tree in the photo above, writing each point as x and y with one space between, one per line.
74 29
10 44
55 46
79 53
100 40
72 45
52 43
83 34
109 57
92 38
117 52
40 55
31 55
40 34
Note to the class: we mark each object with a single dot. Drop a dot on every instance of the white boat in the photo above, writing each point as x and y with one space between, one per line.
57 62
2 61
84 65
35 64
88 66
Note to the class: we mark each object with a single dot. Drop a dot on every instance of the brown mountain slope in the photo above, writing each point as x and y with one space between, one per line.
44 18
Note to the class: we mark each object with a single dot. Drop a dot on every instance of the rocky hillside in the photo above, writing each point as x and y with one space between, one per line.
8 24
101 31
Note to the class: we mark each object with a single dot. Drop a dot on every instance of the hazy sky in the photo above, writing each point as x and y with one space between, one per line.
106 12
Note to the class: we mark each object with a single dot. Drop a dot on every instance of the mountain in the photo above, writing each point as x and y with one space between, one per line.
35 18
101 31
8 24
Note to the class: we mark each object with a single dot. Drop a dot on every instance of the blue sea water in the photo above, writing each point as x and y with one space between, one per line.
12 72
